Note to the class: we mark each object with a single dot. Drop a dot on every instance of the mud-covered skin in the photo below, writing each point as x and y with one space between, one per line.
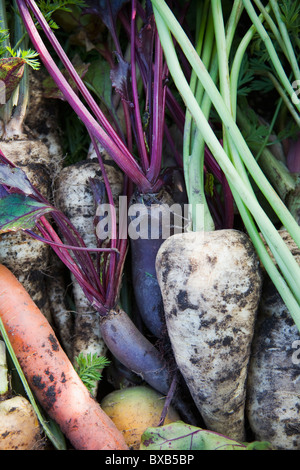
211 284
273 389
28 258
51 376
74 197
19 426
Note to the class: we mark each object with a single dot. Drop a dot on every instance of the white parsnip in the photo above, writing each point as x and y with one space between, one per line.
273 388
27 257
34 146
60 312
75 198
210 283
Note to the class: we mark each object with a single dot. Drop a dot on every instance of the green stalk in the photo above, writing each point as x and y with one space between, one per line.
209 55
286 39
15 125
236 64
265 11
6 110
270 48
193 144
262 182
278 174
227 142
162 14
284 97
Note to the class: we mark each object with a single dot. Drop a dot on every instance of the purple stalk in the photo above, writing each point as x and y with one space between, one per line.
123 157
139 127
158 113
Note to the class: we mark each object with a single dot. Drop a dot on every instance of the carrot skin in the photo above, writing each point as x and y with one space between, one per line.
50 373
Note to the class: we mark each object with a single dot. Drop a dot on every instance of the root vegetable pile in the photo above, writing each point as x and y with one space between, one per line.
189 291
50 373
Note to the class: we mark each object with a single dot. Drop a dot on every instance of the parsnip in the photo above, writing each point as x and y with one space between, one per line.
32 142
210 283
273 388
27 257
60 313
41 119
75 198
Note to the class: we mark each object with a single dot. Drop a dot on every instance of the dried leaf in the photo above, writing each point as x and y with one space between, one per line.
16 179
120 77
11 73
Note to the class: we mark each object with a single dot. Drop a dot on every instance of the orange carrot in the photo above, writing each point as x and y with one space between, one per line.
50 373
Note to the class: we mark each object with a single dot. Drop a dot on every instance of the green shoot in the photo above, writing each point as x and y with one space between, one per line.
89 368
30 56
48 8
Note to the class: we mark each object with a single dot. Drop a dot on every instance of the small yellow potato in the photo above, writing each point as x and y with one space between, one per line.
19 426
134 409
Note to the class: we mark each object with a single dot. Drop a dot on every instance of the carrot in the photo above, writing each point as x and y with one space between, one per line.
50 373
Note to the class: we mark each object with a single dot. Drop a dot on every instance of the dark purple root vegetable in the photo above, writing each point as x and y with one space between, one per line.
139 355
134 350
151 218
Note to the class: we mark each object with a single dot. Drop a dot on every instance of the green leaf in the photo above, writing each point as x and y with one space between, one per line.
89 368
98 80
51 90
29 56
257 445
18 212
181 436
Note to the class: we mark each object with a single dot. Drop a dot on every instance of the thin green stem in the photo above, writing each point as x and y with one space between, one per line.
262 182
236 65
284 97
271 49
236 182
15 125
193 145
265 11
286 39
287 296
6 110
